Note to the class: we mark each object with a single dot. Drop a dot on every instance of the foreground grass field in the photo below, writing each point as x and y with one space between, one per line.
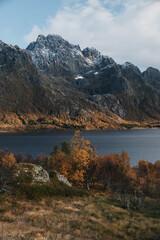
96 217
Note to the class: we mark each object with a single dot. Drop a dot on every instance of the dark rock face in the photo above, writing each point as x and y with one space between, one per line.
152 76
26 89
131 72
58 57
55 77
55 56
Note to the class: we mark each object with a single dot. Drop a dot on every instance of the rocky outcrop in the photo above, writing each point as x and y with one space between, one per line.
61 178
28 172
32 173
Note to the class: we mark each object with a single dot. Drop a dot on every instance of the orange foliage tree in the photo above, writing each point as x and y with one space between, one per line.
115 172
61 163
157 179
83 156
107 169
7 160
75 162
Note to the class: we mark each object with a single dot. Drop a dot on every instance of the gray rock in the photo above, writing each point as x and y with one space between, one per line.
62 179
152 76
31 172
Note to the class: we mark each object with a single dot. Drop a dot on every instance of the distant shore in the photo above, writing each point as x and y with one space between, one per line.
40 129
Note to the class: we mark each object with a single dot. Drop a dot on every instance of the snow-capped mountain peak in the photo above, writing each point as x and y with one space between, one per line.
58 57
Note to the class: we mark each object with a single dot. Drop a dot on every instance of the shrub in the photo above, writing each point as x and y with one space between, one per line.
115 172
7 159
43 160
41 120
31 122
55 188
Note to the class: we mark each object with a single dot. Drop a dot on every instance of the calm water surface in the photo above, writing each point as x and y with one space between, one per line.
140 144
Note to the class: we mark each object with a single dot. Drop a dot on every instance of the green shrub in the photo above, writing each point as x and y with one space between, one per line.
31 122
41 120
42 190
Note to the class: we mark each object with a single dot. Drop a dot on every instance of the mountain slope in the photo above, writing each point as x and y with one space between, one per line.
55 84
27 94
121 89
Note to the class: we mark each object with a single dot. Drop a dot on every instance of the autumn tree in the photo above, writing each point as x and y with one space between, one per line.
83 155
7 160
146 175
157 179
61 163
143 169
114 171
107 169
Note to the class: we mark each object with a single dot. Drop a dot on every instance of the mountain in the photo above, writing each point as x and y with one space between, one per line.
57 57
122 89
55 84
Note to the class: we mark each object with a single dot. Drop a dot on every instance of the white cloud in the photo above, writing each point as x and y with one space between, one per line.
127 30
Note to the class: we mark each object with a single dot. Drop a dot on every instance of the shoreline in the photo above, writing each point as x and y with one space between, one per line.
49 131
105 141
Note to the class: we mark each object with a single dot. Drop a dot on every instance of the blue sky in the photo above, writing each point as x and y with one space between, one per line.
17 17
127 30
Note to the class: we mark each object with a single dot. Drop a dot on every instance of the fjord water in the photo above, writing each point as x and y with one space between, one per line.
140 144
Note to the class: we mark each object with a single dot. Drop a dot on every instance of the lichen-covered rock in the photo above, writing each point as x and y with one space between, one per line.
61 178
31 173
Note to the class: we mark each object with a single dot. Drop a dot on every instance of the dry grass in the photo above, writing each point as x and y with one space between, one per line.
93 218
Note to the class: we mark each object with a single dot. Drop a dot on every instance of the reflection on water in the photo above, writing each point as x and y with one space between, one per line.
140 144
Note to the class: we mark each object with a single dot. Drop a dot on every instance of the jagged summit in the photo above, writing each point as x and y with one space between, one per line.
58 57
51 41
152 76
91 53
127 64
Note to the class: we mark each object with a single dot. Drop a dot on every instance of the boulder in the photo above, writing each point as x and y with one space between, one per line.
31 173
61 178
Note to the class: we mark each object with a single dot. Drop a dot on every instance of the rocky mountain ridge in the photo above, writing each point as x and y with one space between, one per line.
58 57
58 82
122 89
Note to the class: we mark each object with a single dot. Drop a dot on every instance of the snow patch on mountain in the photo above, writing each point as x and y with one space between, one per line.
78 77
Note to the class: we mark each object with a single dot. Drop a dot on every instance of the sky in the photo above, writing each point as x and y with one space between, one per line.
126 30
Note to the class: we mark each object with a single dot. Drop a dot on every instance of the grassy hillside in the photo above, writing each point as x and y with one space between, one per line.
95 217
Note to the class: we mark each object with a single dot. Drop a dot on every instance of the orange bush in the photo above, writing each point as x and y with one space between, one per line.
115 172
7 159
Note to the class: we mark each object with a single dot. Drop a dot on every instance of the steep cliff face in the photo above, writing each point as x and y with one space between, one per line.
152 76
25 88
19 80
